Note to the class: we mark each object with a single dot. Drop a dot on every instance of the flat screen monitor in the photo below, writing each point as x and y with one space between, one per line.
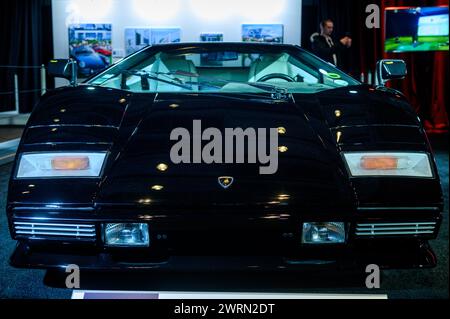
411 29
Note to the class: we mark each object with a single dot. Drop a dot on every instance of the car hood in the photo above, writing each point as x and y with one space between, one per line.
310 173
135 131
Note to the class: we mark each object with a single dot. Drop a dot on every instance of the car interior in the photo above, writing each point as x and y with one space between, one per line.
223 71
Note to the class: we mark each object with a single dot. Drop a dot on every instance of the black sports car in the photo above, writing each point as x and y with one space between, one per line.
266 157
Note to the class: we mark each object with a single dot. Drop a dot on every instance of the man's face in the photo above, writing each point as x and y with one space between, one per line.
328 28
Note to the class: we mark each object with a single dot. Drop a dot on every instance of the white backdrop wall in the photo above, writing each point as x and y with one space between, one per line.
192 16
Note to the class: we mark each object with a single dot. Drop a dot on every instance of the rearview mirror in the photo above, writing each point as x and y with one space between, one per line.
390 70
63 68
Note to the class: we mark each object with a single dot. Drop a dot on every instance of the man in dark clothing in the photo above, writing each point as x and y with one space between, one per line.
324 47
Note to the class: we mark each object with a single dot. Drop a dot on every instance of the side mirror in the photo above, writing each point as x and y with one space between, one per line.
390 70
63 68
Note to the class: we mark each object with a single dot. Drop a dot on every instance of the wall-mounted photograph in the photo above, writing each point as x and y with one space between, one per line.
136 39
272 33
165 35
210 58
211 37
91 46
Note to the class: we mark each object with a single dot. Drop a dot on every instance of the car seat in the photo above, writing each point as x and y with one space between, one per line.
269 64
166 63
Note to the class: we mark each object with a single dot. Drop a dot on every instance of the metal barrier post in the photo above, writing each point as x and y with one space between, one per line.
43 80
16 92
369 78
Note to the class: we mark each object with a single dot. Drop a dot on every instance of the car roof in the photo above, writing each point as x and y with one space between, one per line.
223 45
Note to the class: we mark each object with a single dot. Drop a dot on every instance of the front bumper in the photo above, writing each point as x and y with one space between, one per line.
184 240
410 254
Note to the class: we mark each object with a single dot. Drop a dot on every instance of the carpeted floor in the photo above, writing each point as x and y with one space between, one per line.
18 283
10 132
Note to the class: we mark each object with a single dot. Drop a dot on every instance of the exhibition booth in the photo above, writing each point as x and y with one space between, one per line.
116 28
240 149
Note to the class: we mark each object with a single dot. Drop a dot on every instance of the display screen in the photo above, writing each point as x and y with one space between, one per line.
416 29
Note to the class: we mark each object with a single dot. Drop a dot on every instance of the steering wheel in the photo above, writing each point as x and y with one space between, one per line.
271 76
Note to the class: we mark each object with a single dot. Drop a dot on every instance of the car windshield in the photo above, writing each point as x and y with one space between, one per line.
242 69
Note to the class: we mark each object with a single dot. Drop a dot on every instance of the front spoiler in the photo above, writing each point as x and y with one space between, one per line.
386 255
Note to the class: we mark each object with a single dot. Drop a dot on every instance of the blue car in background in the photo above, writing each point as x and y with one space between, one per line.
89 61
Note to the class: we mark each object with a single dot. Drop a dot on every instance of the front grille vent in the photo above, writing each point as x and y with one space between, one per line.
52 230
395 229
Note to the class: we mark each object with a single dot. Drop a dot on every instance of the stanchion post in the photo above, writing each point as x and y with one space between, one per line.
16 93
43 80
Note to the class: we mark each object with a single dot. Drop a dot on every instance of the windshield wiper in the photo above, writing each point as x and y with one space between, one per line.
145 76
277 93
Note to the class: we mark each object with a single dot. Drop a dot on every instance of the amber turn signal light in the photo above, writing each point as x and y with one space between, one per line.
379 162
70 163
